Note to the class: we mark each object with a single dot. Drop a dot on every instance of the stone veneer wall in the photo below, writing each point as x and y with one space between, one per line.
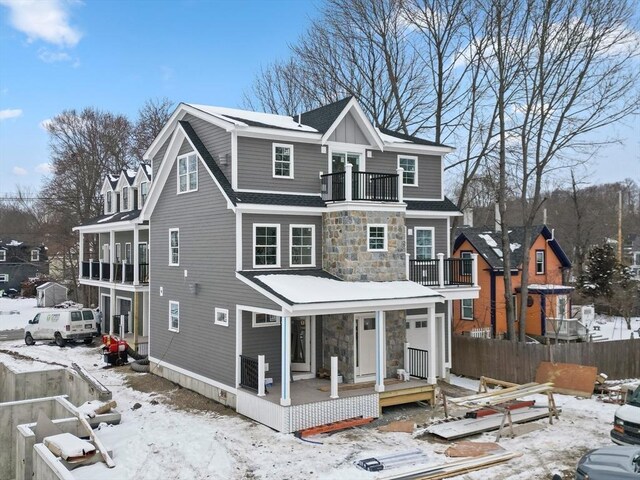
344 249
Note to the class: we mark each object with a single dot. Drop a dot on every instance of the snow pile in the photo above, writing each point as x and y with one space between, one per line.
16 312
67 446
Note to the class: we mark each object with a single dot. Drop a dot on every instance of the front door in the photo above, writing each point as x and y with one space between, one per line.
365 334
300 344
143 262
418 332
340 159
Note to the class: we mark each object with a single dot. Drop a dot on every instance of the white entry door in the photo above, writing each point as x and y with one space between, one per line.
418 331
300 344
365 340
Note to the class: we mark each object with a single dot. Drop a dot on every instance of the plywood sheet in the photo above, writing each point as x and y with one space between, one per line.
568 378
404 426
472 449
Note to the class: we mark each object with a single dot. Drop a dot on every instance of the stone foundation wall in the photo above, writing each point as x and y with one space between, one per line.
344 249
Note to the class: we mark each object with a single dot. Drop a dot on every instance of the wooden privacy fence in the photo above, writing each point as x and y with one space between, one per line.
517 362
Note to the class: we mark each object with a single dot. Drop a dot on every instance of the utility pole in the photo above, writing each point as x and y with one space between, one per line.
620 226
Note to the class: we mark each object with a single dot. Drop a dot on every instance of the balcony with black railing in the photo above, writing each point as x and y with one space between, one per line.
444 272
353 185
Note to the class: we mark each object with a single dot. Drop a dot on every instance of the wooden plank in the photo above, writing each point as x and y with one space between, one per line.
103 451
568 378
400 400
470 426
335 426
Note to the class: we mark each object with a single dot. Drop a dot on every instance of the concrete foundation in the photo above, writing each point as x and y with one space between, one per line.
47 467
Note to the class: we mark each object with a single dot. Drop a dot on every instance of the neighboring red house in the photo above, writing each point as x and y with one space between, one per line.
547 300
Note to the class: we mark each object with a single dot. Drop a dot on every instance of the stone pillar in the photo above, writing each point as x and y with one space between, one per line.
338 341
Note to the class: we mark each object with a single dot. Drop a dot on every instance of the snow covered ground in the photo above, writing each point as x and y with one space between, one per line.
16 312
614 328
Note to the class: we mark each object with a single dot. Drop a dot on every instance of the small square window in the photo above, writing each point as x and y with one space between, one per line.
265 320
3 255
35 255
222 317
377 238
4 278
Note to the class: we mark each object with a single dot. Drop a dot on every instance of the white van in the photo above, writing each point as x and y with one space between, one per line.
626 423
61 326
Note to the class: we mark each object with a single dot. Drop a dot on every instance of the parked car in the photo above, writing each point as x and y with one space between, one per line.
610 463
61 326
626 422
10 292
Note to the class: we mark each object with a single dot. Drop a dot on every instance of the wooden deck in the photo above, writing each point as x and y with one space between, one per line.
407 392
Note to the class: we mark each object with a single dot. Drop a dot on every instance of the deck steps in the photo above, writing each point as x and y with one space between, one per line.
422 393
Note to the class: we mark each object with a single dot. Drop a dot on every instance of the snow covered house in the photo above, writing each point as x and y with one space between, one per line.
548 303
20 261
114 252
282 245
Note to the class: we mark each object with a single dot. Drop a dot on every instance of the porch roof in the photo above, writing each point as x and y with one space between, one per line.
317 291
547 289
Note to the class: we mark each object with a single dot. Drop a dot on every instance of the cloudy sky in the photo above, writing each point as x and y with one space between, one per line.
112 54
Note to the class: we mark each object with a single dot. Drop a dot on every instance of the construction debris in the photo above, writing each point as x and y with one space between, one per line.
403 426
69 447
386 462
101 448
568 378
335 426
472 449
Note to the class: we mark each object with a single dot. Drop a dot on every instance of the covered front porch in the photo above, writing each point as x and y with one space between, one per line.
356 343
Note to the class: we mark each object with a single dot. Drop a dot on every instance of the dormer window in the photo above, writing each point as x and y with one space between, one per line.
125 199
35 255
144 193
187 173
108 202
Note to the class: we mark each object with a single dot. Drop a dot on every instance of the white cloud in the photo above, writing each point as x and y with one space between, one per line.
48 56
19 171
10 113
44 168
46 20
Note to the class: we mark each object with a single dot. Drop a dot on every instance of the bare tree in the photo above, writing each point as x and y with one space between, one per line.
152 117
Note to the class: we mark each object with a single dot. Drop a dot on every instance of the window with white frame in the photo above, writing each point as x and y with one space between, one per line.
108 202
144 193
3 255
282 160
127 252
125 198
540 262
187 173
174 246
35 255
410 166
302 244
466 308
466 266
118 253
377 238
266 245
174 316
222 317
4 277
423 238
265 320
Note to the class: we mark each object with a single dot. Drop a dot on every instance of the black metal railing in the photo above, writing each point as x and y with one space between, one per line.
85 269
249 372
457 271
106 271
117 272
128 272
424 272
143 272
367 186
418 363
95 270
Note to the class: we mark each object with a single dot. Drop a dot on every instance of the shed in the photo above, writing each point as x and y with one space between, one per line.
50 294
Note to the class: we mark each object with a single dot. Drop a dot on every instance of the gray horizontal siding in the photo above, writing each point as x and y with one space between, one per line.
207 253
157 159
217 141
185 148
255 166
429 173
348 131
440 233
262 341
284 221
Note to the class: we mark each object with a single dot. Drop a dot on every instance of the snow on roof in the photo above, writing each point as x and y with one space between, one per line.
490 241
549 287
130 172
106 219
312 289
514 246
14 243
233 115
390 139
147 169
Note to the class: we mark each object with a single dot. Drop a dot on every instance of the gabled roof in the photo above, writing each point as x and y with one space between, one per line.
398 137
322 118
110 182
111 218
488 244
143 174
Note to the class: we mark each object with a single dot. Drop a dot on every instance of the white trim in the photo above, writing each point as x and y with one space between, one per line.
346 149
238 240
171 329
313 245
365 207
249 308
129 199
544 261
130 311
37 252
278 245
238 343
401 147
141 176
462 307
3 255
195 376
130 259
361 120
415 241
117 252
449 238
288 192
273 161
441 178
187 174
280 209
280 135
123 181
255 324
386 235
234 160
140 202
223 311
433 214
263 292
108 209
171 264
415 159
122 226
4 278
106 183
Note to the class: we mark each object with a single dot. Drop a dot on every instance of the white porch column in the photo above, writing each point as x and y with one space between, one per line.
400 172
145 314
91 268
348 181
112 308
285 397
80 254
406 358
407 264
441 269
431 375
136 268
474 269
261 375
112 256
381 364
334 377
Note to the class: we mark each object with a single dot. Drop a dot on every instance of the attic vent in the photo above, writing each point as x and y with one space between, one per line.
224 159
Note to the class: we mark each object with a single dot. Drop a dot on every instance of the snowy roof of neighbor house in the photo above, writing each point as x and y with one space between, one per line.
317 290
548 288
113 218
488 243
44 286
